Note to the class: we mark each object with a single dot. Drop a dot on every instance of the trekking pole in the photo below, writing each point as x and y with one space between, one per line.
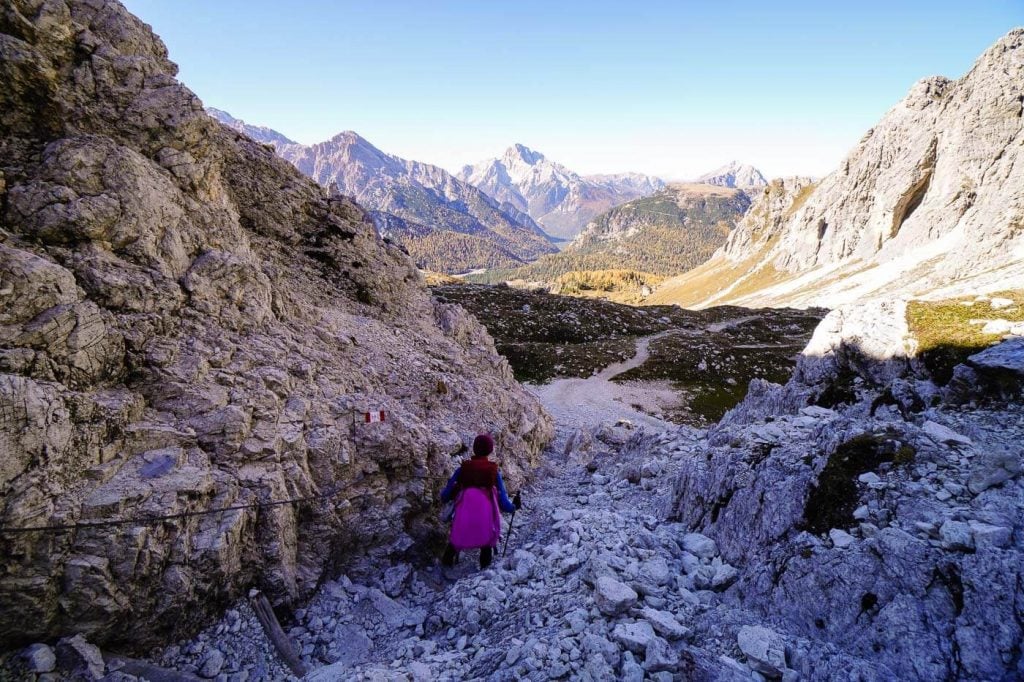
518 502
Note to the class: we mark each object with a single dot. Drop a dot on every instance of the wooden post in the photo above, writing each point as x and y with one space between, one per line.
282 643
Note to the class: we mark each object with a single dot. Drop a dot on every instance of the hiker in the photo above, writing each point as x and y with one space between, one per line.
479 492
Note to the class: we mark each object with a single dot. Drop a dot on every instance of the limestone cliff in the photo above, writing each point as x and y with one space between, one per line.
186 324
929 202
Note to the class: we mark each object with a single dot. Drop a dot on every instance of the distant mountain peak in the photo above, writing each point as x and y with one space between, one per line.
524 153
444 223
734 174
349 137
558 198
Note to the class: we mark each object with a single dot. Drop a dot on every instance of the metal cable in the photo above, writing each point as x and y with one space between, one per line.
152 519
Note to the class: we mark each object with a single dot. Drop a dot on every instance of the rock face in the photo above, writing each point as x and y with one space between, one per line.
930 201
188 324
735 174
561 200
446 225
865 510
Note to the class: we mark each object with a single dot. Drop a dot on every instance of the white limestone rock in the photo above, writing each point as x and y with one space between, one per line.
39 658
700 545
944 435
956 535
613 597
993 468
634 636
764 648
664 623
988 535
840 538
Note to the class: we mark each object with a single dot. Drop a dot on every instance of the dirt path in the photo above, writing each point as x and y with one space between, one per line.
730 323
584 403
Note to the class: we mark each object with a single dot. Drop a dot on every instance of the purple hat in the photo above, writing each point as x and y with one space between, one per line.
483 445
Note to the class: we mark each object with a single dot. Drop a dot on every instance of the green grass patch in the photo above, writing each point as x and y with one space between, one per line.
944 332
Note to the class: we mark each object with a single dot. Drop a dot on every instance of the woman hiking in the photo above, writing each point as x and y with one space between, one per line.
479 493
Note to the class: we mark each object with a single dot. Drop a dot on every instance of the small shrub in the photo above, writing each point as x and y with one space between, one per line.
832 501
904 455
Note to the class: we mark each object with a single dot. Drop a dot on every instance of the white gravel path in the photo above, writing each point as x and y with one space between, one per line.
583 403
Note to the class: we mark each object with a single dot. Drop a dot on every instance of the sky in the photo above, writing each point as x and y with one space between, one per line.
672 89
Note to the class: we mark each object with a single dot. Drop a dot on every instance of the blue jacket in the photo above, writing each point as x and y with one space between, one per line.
453 485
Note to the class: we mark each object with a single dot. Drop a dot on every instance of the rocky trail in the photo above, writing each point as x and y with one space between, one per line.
584 403
593 586
593 511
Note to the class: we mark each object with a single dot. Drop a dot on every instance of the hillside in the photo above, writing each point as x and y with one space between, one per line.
189 331
445 224
663 234
929 203
561 200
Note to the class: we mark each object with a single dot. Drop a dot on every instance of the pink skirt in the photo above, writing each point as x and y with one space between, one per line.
477 521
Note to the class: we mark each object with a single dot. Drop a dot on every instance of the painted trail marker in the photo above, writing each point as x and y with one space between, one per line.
375 416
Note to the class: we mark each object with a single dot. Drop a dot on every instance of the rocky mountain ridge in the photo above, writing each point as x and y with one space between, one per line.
929 203
561 200
189 331
446 225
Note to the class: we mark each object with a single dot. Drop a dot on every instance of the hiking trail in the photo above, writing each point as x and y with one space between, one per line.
585 402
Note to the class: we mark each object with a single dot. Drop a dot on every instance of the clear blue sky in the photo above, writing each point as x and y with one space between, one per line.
668 88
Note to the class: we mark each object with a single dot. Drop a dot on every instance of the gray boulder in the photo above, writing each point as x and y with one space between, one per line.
78 659
613 597
39 658
634 636
764 648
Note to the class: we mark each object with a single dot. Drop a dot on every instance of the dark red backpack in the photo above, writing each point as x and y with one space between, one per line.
478 472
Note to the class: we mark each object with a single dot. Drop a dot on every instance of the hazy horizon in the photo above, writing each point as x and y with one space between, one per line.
662 89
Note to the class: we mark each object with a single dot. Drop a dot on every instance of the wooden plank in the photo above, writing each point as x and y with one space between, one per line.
282 643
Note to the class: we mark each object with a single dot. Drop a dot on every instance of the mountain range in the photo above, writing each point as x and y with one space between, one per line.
446 224
929 203
561 200
499 214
